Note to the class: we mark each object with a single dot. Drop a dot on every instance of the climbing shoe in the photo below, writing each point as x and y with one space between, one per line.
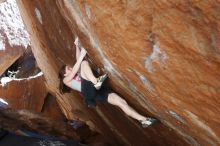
100 80
148 122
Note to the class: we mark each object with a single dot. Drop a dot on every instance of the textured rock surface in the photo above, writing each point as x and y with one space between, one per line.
26 65
162 56
26 90
8 57
13 37
25 94
13 120
51 108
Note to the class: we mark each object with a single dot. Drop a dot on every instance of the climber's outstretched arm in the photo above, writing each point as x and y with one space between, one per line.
77 44
77 53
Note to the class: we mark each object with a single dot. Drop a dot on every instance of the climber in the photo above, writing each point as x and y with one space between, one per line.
81 78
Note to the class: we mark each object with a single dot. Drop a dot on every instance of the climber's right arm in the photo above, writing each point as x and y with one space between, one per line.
76 67
77 44
77 53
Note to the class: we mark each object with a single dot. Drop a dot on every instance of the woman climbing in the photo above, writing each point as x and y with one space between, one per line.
81 78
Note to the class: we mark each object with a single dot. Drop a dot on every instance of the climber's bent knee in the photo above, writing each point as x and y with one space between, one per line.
84 63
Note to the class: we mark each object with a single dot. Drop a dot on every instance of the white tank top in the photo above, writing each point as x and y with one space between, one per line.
76 83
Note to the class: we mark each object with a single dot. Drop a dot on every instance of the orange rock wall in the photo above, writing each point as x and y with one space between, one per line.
164 54
161 56
8 57
25 94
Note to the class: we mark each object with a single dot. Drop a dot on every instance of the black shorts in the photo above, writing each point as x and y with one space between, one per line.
91 94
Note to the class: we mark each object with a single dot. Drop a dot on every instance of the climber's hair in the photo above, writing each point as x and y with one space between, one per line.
62 87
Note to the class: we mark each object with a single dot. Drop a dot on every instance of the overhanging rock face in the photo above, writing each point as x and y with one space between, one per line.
161 56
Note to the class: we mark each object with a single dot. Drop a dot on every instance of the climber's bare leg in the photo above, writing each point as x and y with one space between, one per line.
86 72
114 99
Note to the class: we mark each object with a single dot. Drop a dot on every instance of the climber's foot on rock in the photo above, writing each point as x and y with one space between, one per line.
148 122
100 81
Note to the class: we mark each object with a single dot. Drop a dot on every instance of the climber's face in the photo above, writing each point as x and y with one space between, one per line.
68 70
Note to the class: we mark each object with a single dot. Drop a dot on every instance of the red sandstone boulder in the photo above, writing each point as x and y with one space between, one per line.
162 56
24 93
